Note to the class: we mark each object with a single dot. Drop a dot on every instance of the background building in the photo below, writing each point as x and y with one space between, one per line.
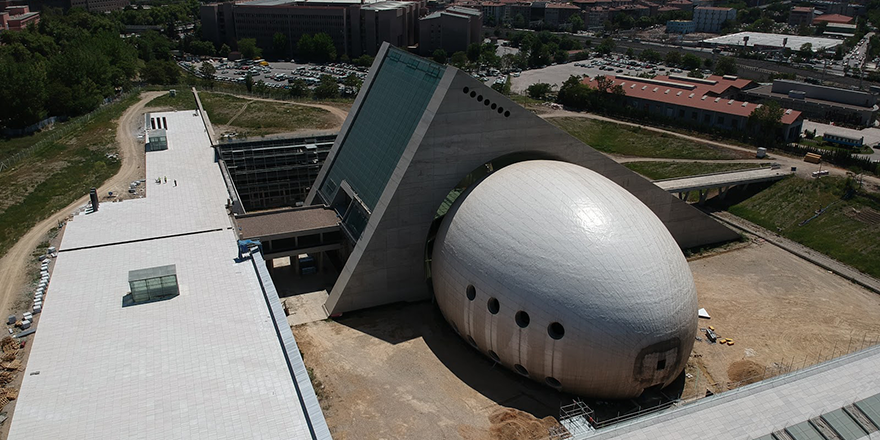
16 18
356 27
88 5
711 19
801 16
820 102
452 30
680 26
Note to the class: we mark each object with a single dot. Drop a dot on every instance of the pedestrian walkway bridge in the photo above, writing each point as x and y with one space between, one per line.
292 231
722 181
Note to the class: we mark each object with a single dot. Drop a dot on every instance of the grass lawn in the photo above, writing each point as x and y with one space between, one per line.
262 117
836 233
59 174
633 141
670 170
185 100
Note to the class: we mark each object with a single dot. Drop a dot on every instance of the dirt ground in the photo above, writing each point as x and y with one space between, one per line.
782 313
399 372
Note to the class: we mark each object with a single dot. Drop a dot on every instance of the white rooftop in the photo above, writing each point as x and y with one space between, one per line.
758 409
794 42
207 364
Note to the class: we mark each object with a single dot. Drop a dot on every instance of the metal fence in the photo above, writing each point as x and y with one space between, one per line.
60 132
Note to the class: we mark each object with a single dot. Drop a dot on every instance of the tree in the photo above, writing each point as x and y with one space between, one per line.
707 63
606 46
439 56
248 48
364 61
327 88
298 88
540 91
24 91
224 50
519 22
695 74
207 70
726 66
202 48
249 82
673 58
690 62
502 87
473 52
324 49
577 23
765 122
353 81
305 47
459 59
630 53
806 51
260 87
280 45
650 56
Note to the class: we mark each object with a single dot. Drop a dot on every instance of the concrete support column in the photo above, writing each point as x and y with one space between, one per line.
703 194
320 262
270 265
722 192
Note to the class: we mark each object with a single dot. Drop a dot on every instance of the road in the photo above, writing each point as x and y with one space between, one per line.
131 153
804 169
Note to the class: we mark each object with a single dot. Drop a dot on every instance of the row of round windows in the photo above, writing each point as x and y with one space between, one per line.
486 102
555 329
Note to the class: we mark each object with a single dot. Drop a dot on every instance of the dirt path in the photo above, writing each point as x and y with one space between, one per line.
238 113
804 169
14 263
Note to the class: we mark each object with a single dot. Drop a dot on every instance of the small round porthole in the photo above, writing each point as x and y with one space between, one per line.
473 94
556 330
471 292
500 110
471 341
466 90
520 369
507 114
480 98
551 381
493 306
494 105
522 319
494 356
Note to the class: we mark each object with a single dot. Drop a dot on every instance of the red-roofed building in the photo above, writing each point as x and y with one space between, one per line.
16 18
705 102
801 16
833 18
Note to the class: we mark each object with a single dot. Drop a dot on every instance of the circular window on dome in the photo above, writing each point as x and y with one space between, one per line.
471 341
553 382
471 292
486 102
466 90
556 330
494 306
494 105
500 110
480 98
473 94
506 114
454 327
522 319
494 356
520 369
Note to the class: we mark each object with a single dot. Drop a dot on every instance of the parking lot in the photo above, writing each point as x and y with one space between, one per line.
608 65
279 74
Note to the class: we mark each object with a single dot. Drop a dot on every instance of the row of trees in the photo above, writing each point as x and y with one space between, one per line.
66 66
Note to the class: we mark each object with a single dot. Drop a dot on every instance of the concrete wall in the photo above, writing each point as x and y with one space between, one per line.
456 135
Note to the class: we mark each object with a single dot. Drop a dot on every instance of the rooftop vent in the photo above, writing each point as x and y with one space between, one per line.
745 104
730 102
667 92
691 95
152 284
655 89
644 87
678 94
717 99
704 97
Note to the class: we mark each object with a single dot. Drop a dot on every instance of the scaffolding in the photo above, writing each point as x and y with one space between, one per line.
274 173
575 421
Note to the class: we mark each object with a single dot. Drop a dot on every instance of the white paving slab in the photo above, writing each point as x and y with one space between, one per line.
206 364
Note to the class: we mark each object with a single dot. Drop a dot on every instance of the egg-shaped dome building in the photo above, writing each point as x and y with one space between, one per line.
565 277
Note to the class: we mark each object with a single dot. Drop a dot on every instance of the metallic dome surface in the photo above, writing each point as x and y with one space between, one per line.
563 276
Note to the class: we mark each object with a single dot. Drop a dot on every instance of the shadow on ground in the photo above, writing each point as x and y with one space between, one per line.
402 322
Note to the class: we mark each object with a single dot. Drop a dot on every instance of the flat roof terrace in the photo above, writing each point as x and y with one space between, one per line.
210 363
